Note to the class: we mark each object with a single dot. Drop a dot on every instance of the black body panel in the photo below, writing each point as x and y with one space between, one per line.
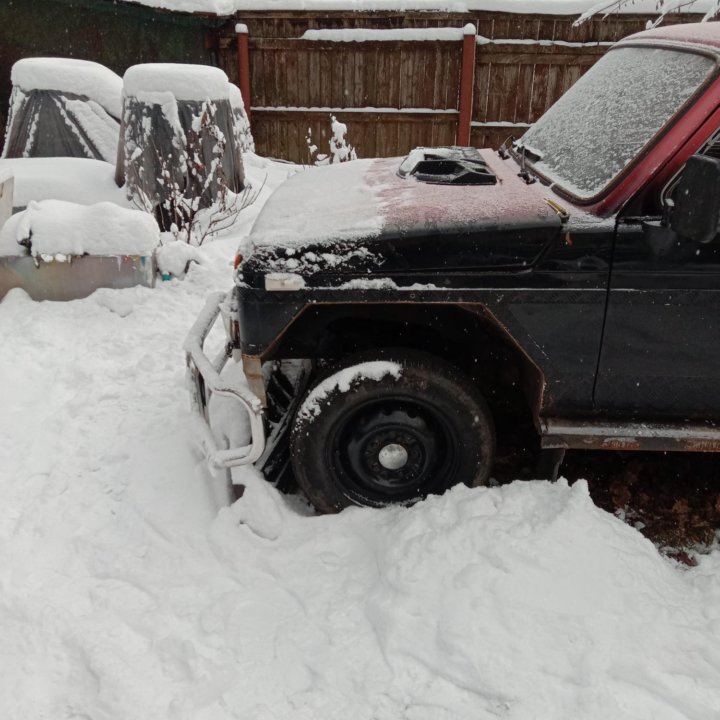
547 289
661 349
415 256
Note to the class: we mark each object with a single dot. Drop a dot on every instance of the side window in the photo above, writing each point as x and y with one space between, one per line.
652 203
711 148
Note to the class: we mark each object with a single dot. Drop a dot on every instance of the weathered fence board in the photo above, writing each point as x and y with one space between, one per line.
396 94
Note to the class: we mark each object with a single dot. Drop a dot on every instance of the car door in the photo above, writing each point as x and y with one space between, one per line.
660 354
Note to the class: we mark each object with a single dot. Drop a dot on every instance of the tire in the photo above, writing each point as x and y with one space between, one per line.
390 431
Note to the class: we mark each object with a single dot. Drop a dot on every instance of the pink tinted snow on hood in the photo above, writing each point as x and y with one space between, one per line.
407 203
366 199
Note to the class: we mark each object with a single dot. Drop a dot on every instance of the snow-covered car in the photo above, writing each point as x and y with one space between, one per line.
398 319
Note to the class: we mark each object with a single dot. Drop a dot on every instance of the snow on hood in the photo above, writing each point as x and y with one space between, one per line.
365 199
335 202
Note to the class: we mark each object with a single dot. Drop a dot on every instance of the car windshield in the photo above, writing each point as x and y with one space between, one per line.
600 125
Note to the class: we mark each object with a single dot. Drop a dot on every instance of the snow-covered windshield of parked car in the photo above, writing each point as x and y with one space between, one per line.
600 125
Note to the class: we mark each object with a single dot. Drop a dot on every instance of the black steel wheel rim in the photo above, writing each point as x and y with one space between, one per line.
393 449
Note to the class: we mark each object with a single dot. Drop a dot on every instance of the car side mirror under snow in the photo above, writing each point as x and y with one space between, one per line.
696 213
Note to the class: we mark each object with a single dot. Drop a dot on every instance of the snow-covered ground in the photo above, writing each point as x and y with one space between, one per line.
129 590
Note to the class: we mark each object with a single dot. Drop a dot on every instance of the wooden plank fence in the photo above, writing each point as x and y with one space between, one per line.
395 79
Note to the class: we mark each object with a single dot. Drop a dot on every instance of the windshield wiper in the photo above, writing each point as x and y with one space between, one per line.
503 149
527 152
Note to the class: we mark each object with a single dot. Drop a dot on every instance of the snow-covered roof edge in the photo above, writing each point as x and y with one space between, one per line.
525 7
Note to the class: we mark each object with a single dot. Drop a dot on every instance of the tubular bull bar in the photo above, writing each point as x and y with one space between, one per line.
204 380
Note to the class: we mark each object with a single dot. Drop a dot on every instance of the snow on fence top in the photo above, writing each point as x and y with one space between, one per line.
428 35
529 7
79 77
184 82
54 227
405 34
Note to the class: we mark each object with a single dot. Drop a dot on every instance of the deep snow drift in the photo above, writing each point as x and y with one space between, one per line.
129 591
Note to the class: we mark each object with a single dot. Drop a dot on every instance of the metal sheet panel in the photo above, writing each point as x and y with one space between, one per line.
75 278
7 189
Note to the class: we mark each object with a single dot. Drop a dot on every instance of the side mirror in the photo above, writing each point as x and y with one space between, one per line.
697 200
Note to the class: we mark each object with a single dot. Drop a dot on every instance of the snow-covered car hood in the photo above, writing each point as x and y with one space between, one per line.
367 199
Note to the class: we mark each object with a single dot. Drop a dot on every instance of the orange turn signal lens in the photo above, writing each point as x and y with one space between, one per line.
238 260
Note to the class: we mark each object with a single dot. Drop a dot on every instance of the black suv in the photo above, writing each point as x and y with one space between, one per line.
397 319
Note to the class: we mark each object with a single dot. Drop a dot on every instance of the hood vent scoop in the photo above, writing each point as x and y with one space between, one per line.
447 166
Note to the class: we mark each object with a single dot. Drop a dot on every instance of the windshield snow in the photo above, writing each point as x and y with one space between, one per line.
598 127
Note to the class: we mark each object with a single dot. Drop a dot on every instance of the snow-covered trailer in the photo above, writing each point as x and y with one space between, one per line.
57 250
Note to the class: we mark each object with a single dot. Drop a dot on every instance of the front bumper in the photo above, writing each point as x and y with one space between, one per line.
204 380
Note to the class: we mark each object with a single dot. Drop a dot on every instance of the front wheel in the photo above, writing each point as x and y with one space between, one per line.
390 431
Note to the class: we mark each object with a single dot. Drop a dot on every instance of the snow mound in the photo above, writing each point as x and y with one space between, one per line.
80 77
174 256
81 180
513 602
57 228
184 82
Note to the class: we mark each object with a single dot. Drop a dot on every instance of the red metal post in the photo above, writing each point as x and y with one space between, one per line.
243 50
467 84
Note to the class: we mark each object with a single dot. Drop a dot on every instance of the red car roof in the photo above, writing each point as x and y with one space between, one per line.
707 34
